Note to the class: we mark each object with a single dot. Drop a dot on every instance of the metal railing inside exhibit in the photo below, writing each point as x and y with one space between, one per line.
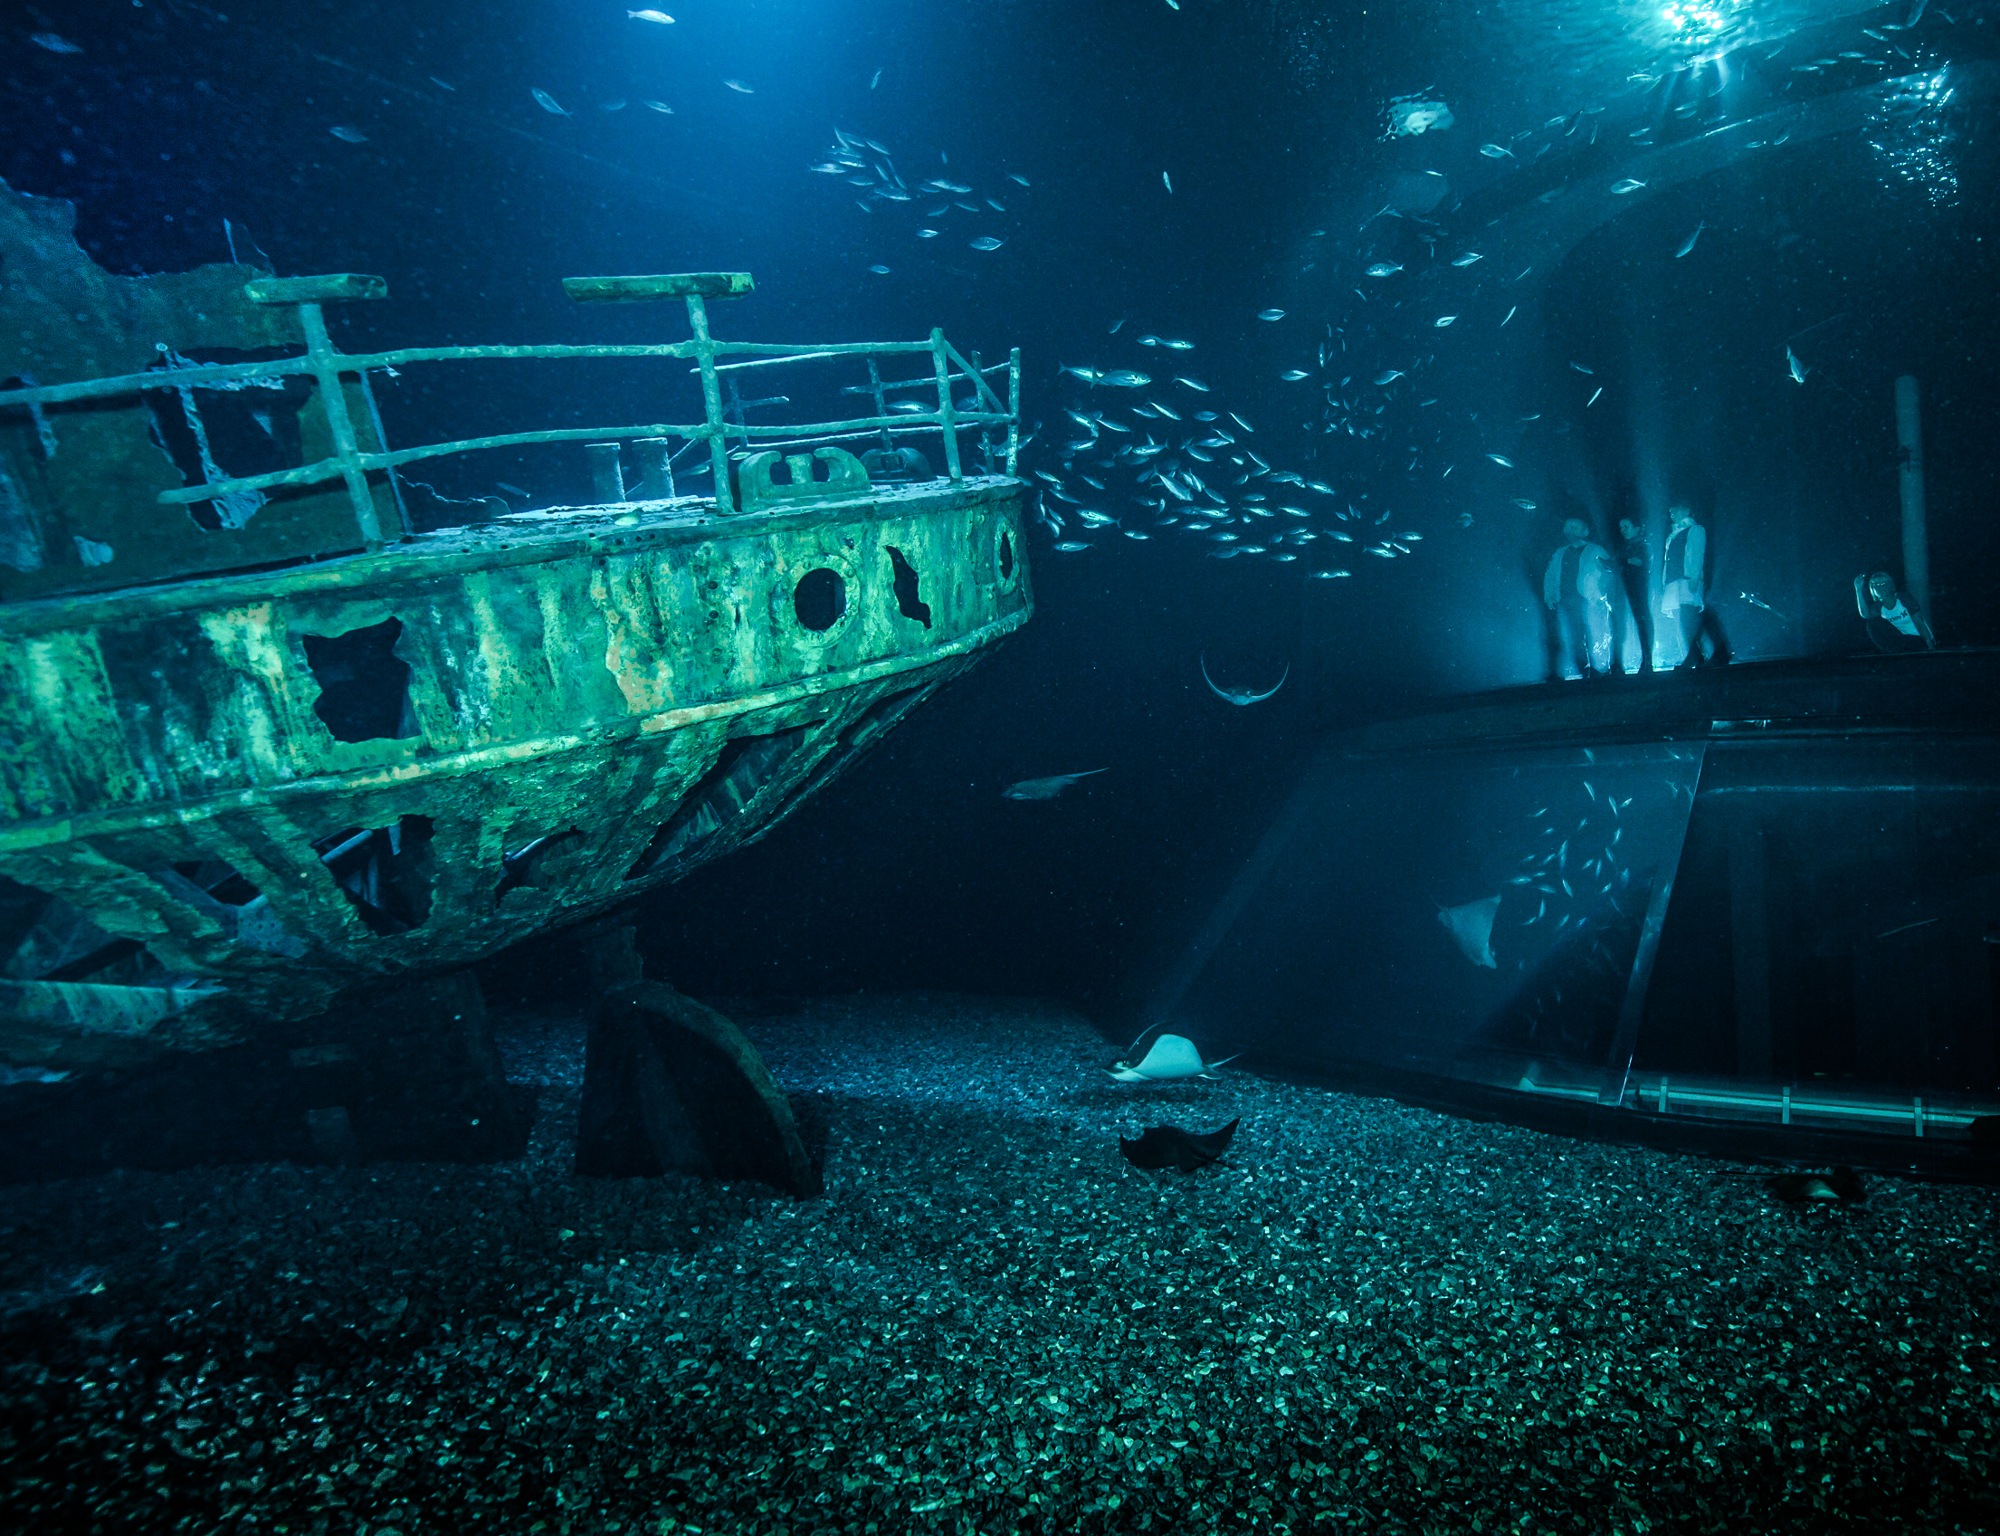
326 365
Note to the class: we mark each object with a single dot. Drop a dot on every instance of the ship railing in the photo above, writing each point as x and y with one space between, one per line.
325 363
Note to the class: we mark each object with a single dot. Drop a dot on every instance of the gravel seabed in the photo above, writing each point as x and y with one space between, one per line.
1374 1318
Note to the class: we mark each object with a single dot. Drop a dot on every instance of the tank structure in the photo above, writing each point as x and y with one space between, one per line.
267 748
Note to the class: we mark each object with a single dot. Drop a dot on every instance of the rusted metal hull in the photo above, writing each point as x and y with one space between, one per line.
545 717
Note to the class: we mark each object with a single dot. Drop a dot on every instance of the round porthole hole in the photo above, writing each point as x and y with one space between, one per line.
819 599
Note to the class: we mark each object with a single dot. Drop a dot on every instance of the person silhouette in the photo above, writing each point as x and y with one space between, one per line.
1635 574
1684 593
1576 588
1894 621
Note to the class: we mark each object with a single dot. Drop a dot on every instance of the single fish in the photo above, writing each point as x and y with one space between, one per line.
1293 375
1055 783
657 18
53 43
1526 506
1496 152
1388 376
1330 575
1385 269
1194 384
1593 398
1168 1146
927 234
658 106
1468 258
739 86
349 135
1270 314
1241 696
1169 181
1510 314
1123 378
1688 244
875 80
612 106
988 243
1504 463
1471 926
547 102
1620 188
1017 178
1797 369
1171 1056
879 271
1444 320
1069 547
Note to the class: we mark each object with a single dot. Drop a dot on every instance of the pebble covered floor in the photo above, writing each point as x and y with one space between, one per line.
1374 1318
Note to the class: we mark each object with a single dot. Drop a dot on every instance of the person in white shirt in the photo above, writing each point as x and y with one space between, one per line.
1684 590
1893 620
1576 587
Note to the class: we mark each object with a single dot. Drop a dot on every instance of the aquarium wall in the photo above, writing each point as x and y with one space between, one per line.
1803 916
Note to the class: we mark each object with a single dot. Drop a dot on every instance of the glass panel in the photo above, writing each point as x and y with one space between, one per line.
1451 914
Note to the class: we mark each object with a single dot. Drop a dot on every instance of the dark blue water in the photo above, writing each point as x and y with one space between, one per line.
1187 168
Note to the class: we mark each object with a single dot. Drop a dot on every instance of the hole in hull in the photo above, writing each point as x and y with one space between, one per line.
819 599
364 685
908 602
386 872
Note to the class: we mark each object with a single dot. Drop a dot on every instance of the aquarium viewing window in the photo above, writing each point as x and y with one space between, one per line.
1791 932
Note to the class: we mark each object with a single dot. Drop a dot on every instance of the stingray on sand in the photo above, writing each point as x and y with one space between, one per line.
1168 1146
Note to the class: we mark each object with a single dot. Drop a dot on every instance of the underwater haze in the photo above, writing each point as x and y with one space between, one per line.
1330 317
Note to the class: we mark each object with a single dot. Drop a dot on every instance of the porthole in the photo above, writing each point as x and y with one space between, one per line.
819 599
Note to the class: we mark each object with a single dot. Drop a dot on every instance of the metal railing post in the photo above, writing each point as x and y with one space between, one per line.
326 370
947 414
711 400
1013 410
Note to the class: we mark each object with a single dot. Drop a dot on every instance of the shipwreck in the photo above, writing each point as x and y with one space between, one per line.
281 757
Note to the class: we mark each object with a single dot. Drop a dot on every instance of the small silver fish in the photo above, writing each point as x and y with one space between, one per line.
349 135
1797 369
1068 547
1688 244
1503 462
1468 258
1194 384
1169 181
739 86
1388 376
1385 269
988 243
547 102
1270 314
1444 320
657 18
658 106
1048 788
1293 375
53 43
879 271
1496 152
1620 188
1017 178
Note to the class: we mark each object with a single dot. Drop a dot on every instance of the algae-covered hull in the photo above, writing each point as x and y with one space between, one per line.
264 789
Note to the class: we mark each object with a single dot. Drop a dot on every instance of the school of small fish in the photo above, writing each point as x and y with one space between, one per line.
868 168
